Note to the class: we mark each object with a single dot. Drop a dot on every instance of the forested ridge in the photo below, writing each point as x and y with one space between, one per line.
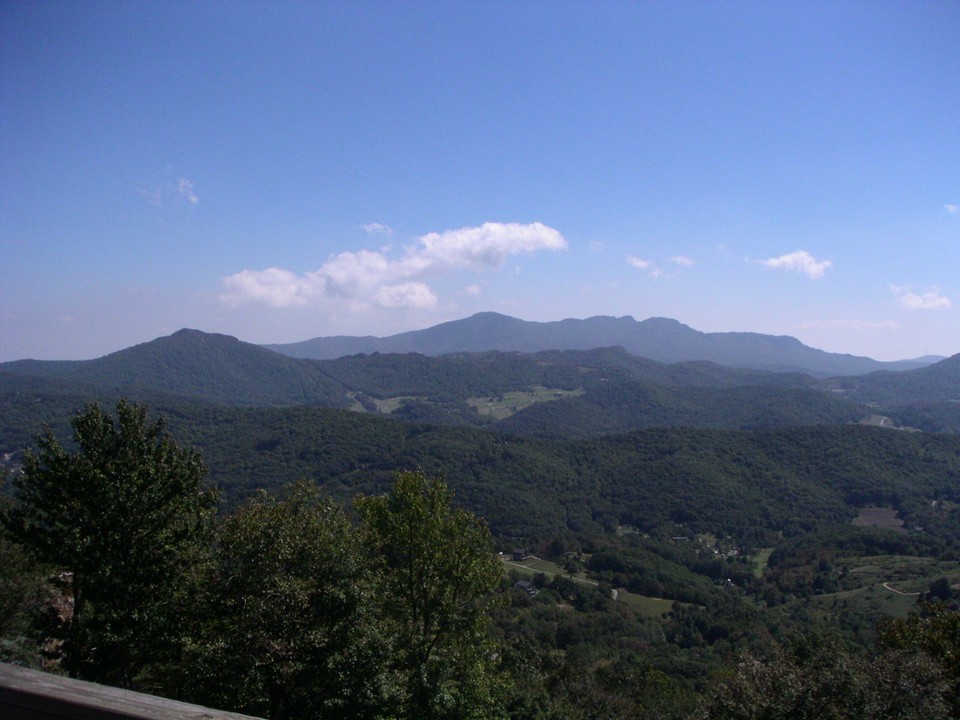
770 480
600 391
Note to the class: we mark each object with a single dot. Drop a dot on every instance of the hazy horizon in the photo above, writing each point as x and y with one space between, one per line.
306 339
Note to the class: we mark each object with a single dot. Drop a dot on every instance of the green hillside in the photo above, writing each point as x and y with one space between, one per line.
934 383
715 541
211 367
615 391
625 406
752 485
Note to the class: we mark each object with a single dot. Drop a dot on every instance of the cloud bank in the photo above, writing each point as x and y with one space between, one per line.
799 261
374 277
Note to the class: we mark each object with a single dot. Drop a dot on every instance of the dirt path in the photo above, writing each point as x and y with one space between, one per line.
889 587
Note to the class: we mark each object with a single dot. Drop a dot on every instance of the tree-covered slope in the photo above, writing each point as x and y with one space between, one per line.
935 383
625 406
203 365
749 484
221 369
753 485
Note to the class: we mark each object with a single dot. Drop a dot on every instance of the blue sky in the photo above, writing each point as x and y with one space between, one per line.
279 171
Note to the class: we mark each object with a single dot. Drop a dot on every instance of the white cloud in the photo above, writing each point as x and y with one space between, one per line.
352 274
484 246
411 294
952 209
273 286
799 261
372 276
378 229
168 188
930 300
648 267
654 270
473 290
185 189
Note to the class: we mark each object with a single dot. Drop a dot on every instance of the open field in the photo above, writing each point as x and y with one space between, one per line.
760 560
384 405
649 607
906 573
515 401
881 517
877 421
888 585
643 605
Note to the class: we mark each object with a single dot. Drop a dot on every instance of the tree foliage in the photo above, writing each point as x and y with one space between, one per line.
124 516
820 679
437 571
23 588
301 614
290 609
935 631
280 628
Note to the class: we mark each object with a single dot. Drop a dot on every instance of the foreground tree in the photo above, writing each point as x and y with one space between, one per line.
23 592
437 572
280 628
124 517
821 679
934 630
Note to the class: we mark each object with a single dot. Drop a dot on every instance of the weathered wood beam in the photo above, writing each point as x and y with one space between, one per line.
32 695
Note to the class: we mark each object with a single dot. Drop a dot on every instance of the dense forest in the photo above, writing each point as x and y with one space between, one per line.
670 541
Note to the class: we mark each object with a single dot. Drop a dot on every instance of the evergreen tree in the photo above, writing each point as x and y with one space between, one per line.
123 518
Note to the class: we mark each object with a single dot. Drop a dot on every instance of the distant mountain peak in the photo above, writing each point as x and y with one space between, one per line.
657 338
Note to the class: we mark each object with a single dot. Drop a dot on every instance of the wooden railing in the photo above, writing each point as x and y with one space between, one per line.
33 695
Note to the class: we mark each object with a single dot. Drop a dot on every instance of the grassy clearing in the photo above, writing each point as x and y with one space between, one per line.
514 401
388 405
650 607
760 560
874 601
887 585
877 421
384 405
533 565
906 573
881 517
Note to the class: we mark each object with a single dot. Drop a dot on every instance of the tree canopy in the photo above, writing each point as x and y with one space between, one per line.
437 571
123 517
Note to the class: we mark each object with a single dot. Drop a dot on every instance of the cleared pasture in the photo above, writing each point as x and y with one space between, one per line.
503 406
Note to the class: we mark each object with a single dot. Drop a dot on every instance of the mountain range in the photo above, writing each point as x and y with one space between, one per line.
660 339
556 393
